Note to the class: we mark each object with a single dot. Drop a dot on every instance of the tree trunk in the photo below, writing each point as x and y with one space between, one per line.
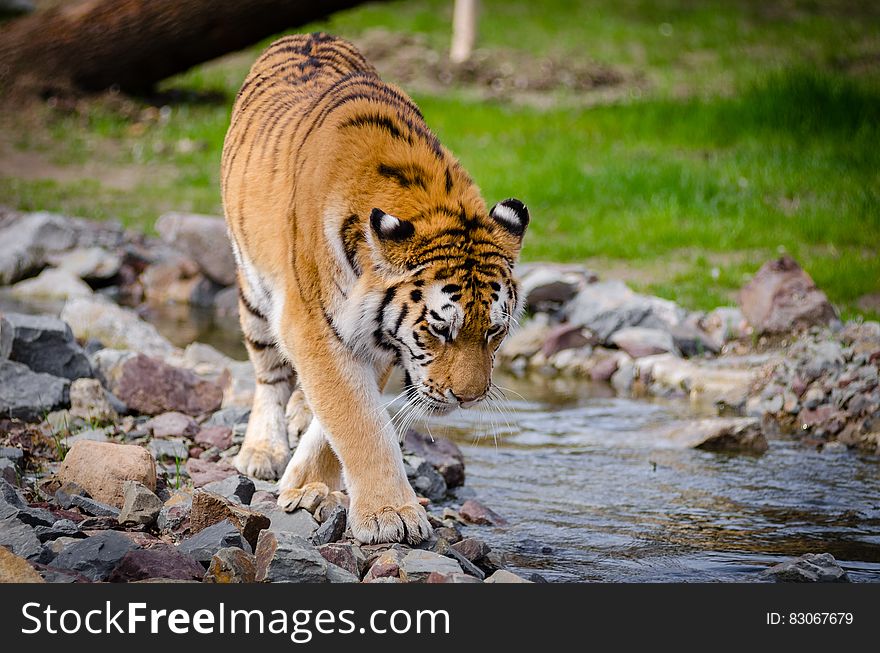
133 44
464 30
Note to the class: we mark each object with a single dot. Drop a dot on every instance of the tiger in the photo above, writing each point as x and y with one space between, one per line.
361 244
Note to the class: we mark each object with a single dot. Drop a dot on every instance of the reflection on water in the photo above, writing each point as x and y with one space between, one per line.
592 493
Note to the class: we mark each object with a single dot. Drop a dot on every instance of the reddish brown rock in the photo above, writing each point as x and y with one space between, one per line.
782 297
102 468
442 454
231 565
344 555
203 471
209 508
172 424
215 436
604 368
150 386
436 577
158 562
14 569
475 512
472 549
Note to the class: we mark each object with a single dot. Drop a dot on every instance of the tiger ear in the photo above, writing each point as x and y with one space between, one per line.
387 227
512 215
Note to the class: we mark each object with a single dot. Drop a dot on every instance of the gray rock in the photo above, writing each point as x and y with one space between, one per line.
624 376
29 395
416 565
172 424
332 529
26 240
608 306
504 576
424 479
548 286
640 341
61 528
141 505
51 284
91 435
346 555
299 522
443 548
170 449
20 538
288 558
339 575
208 541
91 507
204 239
7 334
13 505
237 488
175 512
229 417
96 556
808 568
46 344
442 454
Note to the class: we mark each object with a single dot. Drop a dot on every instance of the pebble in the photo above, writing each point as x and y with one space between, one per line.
345 555
203 545
417 564
172 424
141 505
15 569
287 558
157 562
231 565
102 468
236 488
808 568
94 557
209 508
332 529
504 576
475 512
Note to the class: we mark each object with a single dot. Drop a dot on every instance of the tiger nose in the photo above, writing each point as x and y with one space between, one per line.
467 400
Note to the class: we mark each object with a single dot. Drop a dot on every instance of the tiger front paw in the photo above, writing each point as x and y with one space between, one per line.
264 461
389 522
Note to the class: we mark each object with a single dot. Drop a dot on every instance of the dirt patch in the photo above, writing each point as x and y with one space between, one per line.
30 165
498 74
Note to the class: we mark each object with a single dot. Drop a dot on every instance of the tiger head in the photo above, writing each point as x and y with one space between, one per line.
450 299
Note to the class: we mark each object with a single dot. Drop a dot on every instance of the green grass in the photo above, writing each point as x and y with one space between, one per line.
754 131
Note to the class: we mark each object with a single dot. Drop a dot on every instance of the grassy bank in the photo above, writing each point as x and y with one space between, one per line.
738 132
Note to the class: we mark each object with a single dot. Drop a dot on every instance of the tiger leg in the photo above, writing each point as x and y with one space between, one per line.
314 469
343 392
265 449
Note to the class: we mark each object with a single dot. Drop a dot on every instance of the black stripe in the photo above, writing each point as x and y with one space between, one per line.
258 345
375 120
250 307
401 317
411 175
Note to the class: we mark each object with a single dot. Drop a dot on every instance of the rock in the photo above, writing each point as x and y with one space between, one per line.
29 395
175 512
203 472
96 556
65 493
90 263
548 286
237 488
20 538
472 549
623 378
230 417
451 535
725 324
27 239
61 528
89 401
215 436
203 545
46 344
231 565
443 548
12 504
345 555
172 424
329 505
566 336
92 435
174 450
504 576
103 467
15 569
141 505
417 564
157 562
808 568
286 558
203 238
782 297
716 434
608 306
339 575
174 279
475 512
91 507
437 577
226 303
384 565
51 284
526 341
7 335
639 342
690 340
442 454
211 508
8 471
115 326
151 387
606 366
332 529
425 480
299 522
